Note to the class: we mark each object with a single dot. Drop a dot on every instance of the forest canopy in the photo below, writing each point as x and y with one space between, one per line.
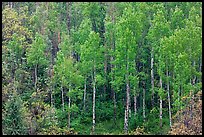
101 68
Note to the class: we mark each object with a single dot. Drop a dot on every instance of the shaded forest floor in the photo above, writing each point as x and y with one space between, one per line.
188 121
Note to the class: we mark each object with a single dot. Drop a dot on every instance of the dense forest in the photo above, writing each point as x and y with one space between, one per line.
101 68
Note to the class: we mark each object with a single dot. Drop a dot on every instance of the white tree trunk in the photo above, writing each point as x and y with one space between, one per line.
152 77
128 103
144 104
69 105
94 93
169 100
127 98
127 107
125 123
135 105
85 94
160 104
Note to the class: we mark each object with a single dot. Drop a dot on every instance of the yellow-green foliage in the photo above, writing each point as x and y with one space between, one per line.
13 23
138 131
54 130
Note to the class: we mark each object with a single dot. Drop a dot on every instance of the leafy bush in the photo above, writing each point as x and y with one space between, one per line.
138 131
14 122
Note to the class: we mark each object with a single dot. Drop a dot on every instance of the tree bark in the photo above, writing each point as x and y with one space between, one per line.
94 92
127 95
127 107
125 122
69 105
160 104
135 105
85 94
169 100
144 104
152 77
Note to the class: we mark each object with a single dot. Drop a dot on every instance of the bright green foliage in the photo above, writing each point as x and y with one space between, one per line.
71 50
90 49
36 54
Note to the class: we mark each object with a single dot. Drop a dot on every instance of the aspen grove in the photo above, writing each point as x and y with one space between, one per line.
101 68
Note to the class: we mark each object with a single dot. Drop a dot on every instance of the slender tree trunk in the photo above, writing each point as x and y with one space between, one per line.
125 121
85 94
36 76
160 104
127 106
69 105
94 92
169 100
152 77
127 94
144 104
62 94
135 105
